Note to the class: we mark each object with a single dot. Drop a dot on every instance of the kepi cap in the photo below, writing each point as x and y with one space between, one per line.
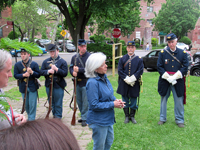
51 47
23 50
171 36
131 43
81 42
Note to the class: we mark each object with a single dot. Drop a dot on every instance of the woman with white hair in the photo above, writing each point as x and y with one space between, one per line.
101 100
10 118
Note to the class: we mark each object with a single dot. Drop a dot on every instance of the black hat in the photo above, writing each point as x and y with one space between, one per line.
171 36
51 47
131 43
81 42
23 50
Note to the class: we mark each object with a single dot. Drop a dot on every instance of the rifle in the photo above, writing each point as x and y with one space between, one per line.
51 91
73 121
26 88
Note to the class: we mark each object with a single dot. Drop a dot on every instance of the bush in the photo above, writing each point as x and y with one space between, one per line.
137 45
11 36
92 37
108 39
185 40
106 49
154 41
163 45
123 42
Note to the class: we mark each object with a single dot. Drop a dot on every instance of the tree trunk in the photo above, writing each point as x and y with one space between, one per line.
33 34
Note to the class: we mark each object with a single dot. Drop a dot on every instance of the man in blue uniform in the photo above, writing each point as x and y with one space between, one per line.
28 70
130 69
59 69
172 66
77 69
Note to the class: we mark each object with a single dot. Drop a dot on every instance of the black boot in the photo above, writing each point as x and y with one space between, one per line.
132 115
126 112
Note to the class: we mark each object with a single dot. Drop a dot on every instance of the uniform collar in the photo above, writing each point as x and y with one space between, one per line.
26 63
175 51
83 54
56 57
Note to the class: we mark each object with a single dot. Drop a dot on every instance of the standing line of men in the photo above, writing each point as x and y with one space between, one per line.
172 66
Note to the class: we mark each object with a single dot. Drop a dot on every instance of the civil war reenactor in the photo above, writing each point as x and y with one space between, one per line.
57 68
172 66
26 71
77 69
130 70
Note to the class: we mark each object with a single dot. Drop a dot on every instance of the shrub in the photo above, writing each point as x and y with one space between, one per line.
11 36
108 39
154 41
106 49
137 45
185 40
123 42
92 37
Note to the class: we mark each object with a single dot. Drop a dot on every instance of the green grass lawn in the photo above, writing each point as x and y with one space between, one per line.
147 134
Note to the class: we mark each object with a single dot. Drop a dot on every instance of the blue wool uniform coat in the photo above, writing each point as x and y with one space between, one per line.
101 102
134 67
81 79
19 70
168 63
61 64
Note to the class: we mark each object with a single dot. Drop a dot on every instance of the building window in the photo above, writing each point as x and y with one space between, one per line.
1 32
149 21
198 36
89 34
128 36
149 8
88 26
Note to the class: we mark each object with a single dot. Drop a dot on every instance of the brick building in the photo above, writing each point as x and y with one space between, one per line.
6 29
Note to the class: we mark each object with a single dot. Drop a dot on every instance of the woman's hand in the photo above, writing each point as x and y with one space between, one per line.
119 103
20 119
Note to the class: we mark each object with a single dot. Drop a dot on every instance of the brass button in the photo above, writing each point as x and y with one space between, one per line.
172 66
173 54
172 60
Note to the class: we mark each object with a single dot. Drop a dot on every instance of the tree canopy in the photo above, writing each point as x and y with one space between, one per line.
177 16
77 13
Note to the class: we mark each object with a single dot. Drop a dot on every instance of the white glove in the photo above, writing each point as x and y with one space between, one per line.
172 80
178 75
132 84
169 78
128 81
165 76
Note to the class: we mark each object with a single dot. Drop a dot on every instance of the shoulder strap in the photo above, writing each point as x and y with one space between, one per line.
80 61
129 60
173 57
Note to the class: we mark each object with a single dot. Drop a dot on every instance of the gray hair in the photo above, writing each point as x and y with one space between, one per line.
93 62
4 56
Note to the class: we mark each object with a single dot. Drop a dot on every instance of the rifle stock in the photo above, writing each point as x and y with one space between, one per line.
73 122
24 101
27 79
50 97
